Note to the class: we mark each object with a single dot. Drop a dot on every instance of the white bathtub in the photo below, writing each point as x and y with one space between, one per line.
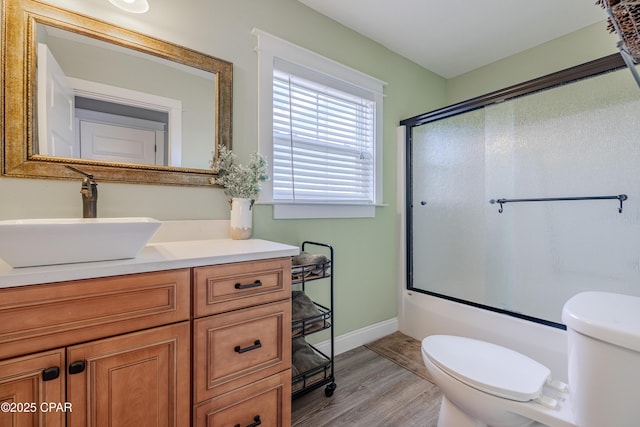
421 315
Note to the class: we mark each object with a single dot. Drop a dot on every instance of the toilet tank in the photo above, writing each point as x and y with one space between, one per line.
603 331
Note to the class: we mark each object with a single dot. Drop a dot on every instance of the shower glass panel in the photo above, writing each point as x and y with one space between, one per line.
575 140
449 206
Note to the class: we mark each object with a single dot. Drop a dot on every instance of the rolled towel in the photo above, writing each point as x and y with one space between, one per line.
306 317
304 357
294 371
307 264
302 307
305 258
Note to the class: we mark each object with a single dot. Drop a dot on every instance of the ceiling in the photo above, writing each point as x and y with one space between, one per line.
452 37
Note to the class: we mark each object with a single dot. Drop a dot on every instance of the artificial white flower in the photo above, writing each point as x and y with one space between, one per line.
238 180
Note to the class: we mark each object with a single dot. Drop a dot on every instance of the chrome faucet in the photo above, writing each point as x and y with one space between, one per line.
89 191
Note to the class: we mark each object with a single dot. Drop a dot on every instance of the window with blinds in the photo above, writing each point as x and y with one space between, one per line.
323 139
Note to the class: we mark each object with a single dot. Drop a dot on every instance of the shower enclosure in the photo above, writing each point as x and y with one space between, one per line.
522 198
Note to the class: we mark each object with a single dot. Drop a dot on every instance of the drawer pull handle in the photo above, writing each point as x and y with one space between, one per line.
256 422
255 284
257 344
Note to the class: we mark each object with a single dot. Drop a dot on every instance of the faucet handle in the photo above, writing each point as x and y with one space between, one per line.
88 175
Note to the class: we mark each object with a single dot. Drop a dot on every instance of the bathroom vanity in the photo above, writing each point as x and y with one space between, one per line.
187 333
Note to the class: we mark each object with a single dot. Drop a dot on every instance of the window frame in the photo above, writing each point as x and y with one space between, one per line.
271 48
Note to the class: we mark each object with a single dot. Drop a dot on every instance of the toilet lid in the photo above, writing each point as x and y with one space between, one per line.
487 367
609 317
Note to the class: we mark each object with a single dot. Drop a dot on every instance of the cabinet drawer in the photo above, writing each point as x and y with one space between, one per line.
267 401
236 348
226 287
34 318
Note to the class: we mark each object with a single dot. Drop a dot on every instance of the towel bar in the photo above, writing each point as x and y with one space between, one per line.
620 197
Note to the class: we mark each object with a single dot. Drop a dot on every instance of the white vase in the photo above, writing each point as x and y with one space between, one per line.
241 220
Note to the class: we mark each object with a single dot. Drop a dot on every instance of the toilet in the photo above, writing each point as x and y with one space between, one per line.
487 385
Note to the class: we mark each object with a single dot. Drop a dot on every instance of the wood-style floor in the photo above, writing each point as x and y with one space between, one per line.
372 391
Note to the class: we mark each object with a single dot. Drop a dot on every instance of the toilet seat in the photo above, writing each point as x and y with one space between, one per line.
490 368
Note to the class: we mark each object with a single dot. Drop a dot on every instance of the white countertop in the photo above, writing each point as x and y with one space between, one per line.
153 257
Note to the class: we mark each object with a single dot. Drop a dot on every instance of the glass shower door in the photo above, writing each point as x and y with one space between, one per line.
448 201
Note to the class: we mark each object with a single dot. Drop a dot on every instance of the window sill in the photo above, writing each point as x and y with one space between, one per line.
321 210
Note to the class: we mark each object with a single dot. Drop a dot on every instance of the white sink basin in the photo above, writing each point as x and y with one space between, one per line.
33 242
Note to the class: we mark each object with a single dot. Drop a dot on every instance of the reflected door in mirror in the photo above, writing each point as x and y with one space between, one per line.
56 129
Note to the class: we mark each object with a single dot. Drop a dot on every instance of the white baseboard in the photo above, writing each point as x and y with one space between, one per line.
359 337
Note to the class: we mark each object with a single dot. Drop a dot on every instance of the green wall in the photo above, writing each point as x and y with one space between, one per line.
576 48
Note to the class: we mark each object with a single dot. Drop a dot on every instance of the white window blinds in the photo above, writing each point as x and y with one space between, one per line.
323 139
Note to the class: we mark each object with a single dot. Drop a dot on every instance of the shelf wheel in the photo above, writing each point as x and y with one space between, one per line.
330 389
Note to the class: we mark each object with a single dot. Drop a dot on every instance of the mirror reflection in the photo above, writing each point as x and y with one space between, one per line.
100 101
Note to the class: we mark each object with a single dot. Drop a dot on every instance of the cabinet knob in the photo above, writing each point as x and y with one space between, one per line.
51 373
77 367
256 422
256 344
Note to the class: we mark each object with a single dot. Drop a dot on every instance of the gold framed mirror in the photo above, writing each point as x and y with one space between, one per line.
181 98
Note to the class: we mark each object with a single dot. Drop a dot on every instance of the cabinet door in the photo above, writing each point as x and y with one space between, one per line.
28 385
141 379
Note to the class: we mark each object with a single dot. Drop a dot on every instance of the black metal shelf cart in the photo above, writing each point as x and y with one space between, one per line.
321 319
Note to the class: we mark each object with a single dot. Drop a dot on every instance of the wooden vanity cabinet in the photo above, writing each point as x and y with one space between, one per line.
242 344
122 351
202 346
